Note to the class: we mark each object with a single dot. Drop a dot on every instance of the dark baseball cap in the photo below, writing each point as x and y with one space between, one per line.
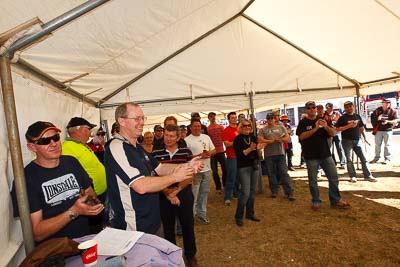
270 116
329 105
310 104
78 121
38 129
158 127
195 114
183 127
348 103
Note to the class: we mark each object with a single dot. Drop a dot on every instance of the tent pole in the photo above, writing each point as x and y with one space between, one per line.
16 154
53 25
252 116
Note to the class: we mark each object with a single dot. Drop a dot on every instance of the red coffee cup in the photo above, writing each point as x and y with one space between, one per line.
88 252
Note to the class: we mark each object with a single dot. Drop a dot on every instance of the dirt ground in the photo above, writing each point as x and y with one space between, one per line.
291 234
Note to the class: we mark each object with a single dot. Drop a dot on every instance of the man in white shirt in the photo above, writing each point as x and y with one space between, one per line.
201 145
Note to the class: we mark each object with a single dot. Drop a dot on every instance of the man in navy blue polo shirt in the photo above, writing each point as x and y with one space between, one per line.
134 188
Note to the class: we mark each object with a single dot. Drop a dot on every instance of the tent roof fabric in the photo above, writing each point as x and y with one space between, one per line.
178 56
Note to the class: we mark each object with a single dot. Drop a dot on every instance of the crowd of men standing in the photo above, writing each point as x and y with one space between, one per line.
77 187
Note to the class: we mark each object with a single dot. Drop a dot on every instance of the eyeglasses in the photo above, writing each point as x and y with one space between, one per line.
47 140
246 125
314 107
83 126
137 119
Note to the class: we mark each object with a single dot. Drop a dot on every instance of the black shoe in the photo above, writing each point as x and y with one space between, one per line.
291 197
253 218
239 222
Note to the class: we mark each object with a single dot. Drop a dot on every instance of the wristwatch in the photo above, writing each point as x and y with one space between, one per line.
72 215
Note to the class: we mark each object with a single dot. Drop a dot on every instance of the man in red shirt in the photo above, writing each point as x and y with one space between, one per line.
215 132
228 136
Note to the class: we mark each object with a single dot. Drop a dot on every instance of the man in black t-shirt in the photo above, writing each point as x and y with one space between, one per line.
352 127
313 133
55 184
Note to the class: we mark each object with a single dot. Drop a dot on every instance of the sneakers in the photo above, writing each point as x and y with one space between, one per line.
227 202
291 197
219 191
371 179
353 179
341 205
303 166
274 195
374 161
342 167
203 220
292 169
387 161
316 206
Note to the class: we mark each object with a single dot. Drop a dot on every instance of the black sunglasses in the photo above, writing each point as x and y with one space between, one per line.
313 107
47 140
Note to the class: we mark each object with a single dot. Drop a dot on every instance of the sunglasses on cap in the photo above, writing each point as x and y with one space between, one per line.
313 107
47 140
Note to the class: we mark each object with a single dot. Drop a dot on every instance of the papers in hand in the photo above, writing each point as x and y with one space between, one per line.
115 242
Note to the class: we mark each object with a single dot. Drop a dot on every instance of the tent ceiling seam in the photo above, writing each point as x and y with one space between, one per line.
159 101
388 9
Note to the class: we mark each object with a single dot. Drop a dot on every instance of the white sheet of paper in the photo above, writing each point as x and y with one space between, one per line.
115 242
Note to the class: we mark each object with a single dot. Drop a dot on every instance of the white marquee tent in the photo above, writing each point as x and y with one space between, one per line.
175 57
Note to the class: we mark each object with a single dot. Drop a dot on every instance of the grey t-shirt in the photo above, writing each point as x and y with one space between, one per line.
272 132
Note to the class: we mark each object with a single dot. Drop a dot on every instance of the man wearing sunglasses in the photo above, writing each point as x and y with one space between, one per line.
313 133
75 145
55 184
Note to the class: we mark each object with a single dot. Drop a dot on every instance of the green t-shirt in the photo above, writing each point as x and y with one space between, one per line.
89 162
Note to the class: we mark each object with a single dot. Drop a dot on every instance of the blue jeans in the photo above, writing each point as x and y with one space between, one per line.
200 188
230 177
384 136
337 139
248 177
329 167
276 166
357 146
218 157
